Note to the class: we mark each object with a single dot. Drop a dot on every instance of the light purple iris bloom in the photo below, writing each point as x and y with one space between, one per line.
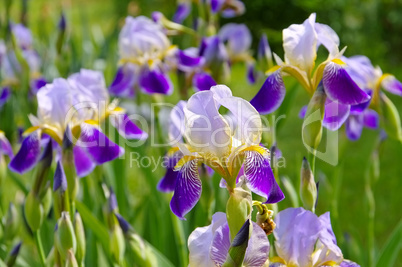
144 51
301 42
77 104
209 245
302 239
218 142
228 8
5 146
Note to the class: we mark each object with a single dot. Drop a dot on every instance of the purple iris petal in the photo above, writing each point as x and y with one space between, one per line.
302 112
260 178
237 8
59 179
340 87
4 95
220 245
258 248
182 12
371 119
271 94
37 84
250 73
187 61
187 190
348 263
237 36
100 148
216 5
127 128
392 85
335 114
354 127
168 182
354 109
5 146
28 155
214 52
123 83
83 163
154 81
203 81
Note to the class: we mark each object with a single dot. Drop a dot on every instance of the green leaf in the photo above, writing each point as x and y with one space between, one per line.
94 224
391 249
292 193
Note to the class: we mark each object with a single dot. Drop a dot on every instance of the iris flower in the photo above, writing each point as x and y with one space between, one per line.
79 103
223 144
209 245
144 51
301 42
5 147
228 8
302 239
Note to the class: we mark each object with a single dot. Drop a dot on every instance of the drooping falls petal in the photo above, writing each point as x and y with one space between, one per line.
84 165
300 44
155 82
123 83
271 94
371 119
391 84
28 155
187 190
206 130
182 11
203 81
168 182
335 114
348 263
5 146
296 233
188 60
354 127
127 128
220 245
361 107
340 87
259 176
99 147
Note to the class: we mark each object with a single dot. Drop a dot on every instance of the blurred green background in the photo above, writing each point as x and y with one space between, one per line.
371 28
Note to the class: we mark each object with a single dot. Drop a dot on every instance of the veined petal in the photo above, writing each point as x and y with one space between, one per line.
126 127
299 43
271 94
258 248
259 176
354 127
203 81
100 148
5 146
168 182
296 233
28 155
155 82
187 190
123 83
371 119
340 87
335 114
391 84
220 245
84 165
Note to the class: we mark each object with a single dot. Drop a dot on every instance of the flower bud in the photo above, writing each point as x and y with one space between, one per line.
11 222
390 119
71 261
238 208
312 124
117 244
65 237
34 211
12 257
308 188
238 247
61 202
80 236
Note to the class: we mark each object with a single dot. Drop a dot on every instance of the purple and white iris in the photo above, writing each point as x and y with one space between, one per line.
209 245
223 144
302 239
79 103
301 42
144 51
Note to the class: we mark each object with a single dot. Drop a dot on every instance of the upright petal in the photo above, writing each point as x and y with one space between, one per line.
335 114
123 83
271 94
182 11
177 123
371 119
264 50
187 190
188 61
299 43
296 233
391 84
328 38
260 178
155 82
203 81
238 37
354 127
126 127
340 87
100 148
84 165
168 182
28 155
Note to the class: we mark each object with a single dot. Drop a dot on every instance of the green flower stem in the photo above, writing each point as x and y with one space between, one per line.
39 246
180 239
